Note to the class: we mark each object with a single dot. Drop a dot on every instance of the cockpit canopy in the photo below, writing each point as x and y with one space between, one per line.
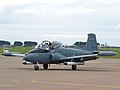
47 45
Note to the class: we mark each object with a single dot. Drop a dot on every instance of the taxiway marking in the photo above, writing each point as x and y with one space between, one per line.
76 84
5 85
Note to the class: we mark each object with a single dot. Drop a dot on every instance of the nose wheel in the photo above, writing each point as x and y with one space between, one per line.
36 68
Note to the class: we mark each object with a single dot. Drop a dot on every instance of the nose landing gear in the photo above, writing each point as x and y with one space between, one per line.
36 67
45 66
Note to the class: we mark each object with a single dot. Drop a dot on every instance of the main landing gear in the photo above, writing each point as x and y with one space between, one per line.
45 66
74 67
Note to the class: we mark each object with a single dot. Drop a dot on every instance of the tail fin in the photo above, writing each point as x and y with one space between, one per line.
91 44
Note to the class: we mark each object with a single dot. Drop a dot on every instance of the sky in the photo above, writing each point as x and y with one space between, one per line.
66 21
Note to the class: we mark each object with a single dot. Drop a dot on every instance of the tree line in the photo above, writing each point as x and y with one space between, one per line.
18 43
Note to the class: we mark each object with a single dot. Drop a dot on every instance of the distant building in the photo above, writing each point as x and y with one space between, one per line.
2 43
29 43
105 45
18 43
80 44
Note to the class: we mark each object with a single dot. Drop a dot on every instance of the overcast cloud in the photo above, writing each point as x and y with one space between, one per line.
63 20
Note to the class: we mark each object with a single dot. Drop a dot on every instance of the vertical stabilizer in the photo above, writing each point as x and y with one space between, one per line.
91 44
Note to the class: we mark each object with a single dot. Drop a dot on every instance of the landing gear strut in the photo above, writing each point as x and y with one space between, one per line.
45 66
74 67
36 67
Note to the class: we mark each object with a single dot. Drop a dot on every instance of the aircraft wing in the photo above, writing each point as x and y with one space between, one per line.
60 57
82 56
18 55
13 54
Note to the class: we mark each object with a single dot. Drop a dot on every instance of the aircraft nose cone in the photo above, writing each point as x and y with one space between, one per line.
24 58
27 58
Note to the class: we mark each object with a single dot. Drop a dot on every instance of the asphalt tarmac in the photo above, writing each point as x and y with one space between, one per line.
101 74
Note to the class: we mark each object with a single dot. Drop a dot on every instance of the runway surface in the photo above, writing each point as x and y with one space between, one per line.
101 74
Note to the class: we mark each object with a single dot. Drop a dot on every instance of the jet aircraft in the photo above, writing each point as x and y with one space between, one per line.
55 53
7 53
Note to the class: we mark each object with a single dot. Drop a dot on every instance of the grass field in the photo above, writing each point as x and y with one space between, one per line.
26 49
18 49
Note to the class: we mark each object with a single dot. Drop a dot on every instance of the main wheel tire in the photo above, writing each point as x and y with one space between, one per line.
74 67
45 66
36 68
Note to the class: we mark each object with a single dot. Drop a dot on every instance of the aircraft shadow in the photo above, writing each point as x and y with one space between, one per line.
91 70
81 70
